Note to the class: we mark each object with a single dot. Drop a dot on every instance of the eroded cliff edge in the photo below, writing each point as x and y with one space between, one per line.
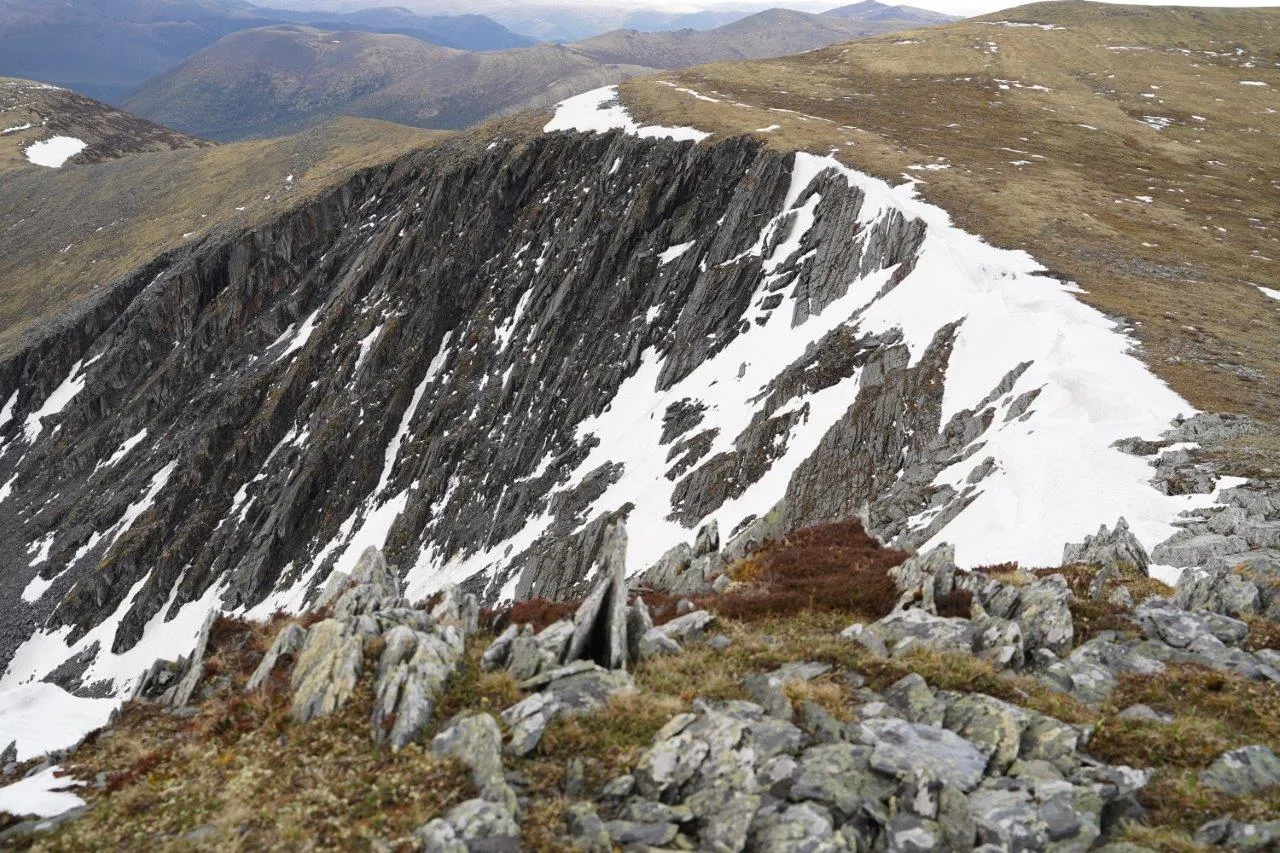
477 358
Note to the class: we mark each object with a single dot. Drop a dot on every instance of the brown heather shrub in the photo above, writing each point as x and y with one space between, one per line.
958 602
1263 634
831 568
538 612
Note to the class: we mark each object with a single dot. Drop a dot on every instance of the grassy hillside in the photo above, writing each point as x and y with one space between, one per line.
31 112
66 233
105 48
1131 149
282 79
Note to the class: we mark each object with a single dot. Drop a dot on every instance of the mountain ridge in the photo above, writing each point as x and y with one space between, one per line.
247 84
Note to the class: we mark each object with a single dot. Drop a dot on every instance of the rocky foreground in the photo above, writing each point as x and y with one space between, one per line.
996 709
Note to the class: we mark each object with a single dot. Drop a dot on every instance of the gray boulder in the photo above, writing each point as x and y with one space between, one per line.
1219 591
475 826
600 625
1244 771
412 672
327 669
1239 835
687 628
476 742
577 688
902 748
186 686
906 630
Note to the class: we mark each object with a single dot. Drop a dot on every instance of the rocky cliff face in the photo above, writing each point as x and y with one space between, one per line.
478 359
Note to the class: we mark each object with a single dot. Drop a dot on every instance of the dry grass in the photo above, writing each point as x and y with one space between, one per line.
1212 712
327 786
1026 172
240 774
67 234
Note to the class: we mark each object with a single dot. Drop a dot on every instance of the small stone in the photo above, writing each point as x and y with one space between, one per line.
687 628
652 834
719 642
1144 713
587 829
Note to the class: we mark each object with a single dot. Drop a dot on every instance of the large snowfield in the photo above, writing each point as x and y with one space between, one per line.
1057 477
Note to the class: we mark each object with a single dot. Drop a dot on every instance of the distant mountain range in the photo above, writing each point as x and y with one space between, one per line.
105 48
282 79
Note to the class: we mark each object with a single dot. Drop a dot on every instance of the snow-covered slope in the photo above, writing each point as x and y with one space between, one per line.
481 356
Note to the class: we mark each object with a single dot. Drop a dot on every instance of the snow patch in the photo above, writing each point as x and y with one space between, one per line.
1267 291
43 717
600 111
126 447
58 400
54 152
675 252
42 795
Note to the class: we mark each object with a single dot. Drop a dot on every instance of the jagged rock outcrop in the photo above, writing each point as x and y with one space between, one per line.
441 358
1239 534
1109 548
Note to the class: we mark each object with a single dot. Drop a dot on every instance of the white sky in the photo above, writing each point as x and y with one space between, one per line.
953 7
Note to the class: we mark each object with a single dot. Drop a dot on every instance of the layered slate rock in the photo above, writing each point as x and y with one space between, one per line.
418 648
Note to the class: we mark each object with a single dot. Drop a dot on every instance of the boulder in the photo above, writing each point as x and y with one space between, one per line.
639 623
577 688
907 630
1219 591
194 671
600 625
1239 835
327 669
990 724
469 827
476 742
1243 772
457 608
902 748
687 628
1044 615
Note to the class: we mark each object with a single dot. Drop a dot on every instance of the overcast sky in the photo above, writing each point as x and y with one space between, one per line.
954 7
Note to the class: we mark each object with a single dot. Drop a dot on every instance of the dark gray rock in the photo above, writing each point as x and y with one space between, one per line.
574 689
